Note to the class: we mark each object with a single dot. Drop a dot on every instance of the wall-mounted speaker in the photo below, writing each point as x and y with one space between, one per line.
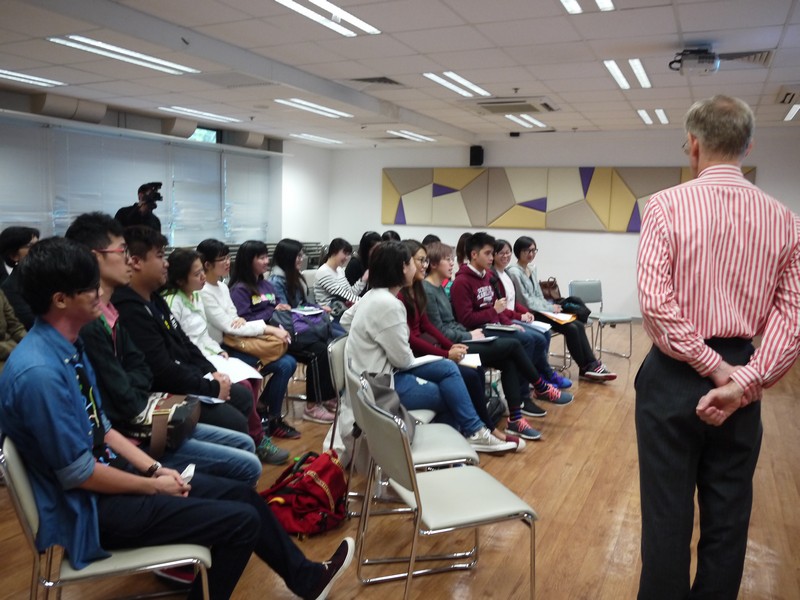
475 156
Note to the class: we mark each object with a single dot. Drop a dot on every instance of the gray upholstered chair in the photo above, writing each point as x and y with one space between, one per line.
591 292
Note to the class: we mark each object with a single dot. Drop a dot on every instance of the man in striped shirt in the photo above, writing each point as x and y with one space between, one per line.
719 263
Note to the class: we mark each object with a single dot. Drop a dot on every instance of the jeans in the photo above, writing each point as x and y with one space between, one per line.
438 386
217 451
227 516
281 371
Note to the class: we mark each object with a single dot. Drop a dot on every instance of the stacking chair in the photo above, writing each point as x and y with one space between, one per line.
440 500
435 444
591 292
52 573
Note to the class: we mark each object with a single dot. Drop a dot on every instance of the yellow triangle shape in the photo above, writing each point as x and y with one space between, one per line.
622 201
456 179
520 217
390 200
598 196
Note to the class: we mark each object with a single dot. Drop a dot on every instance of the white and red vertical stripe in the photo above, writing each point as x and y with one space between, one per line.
719 258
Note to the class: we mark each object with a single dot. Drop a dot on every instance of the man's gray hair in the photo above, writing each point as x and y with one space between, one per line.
723 125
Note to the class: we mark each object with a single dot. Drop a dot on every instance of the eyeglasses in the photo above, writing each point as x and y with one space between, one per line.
121 250
531 250
93 289
423 261
504 254
685 147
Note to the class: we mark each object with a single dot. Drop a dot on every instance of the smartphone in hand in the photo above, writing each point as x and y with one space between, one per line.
188 473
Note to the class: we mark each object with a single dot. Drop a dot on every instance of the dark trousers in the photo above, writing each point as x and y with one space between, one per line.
318 353
225 515
232 414
475 382
679 454
509 356
577 343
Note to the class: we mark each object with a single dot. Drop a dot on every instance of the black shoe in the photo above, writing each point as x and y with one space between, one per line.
333 569
531 409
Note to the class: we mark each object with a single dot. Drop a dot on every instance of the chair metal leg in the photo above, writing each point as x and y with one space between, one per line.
599 348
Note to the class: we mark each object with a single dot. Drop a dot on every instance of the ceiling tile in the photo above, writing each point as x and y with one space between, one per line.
732 14
526 31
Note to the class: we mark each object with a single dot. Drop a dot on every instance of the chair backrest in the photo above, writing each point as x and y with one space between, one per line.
20 490
588 290
310 275
337 364
387 441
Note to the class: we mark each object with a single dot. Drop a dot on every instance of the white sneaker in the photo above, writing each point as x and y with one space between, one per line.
483 441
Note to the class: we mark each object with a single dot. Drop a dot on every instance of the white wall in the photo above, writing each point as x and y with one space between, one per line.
354 194
305 194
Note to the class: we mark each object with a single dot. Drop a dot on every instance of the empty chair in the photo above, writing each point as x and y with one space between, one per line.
440 500
591 292
51 572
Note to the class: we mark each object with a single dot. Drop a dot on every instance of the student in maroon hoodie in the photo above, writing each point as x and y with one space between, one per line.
475 306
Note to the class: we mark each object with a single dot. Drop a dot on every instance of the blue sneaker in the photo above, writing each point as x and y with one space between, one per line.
522 429
559 381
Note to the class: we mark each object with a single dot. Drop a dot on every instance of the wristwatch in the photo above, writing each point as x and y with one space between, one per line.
153 469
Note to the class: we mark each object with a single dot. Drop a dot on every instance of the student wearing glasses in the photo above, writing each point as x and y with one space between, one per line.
529 294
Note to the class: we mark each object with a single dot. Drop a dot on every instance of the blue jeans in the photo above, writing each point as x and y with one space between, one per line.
217 451
281 371
438 386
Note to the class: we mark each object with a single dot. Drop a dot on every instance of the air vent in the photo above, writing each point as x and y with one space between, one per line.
762 59
789 94
376 81
505 106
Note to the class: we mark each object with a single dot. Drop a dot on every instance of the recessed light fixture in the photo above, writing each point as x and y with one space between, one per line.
638 70
410 135
572 7
662 116
318 109
526 121
314 138
644 116
337 15
604 5
80 42
616 73
792 112
198 114
455 77
29 79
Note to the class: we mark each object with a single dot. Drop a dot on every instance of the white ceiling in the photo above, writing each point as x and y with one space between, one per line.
251 52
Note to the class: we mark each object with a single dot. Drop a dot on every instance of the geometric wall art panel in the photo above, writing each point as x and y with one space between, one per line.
608 199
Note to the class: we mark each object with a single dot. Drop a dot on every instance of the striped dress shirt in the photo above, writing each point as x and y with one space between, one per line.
718 258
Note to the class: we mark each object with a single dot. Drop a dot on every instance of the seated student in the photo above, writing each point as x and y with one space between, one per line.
379 343
331 283
255 300
504 353
11 330
474 305
185 279
221 318
177 364
358 263
526 282
15 242
425 339
123 377
504 288
97 491
390 235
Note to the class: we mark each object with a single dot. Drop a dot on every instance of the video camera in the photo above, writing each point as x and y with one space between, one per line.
150 193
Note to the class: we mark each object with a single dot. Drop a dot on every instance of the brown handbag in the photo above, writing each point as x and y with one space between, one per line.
550 290
266 348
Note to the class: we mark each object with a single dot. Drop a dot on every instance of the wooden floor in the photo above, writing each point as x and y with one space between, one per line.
581 478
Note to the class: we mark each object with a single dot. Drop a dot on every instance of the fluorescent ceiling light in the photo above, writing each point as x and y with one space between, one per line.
314 108
604 5
638 70
662 116
792 112
29 79
467 83
530 119
410 135
448 84
572 7
343 15
644 116
310 14
198 114
519 121
314 138
613 68
80 42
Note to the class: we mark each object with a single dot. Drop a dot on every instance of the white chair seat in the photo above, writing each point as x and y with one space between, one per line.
136 559
422 415
438 443
464 496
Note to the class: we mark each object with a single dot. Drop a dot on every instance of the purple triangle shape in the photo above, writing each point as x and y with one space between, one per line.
538 204
441 190
586 178
635 224
400 216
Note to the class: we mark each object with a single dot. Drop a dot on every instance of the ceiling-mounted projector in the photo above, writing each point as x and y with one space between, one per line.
695 62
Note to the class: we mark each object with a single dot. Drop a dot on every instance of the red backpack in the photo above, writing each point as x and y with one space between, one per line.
310 496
